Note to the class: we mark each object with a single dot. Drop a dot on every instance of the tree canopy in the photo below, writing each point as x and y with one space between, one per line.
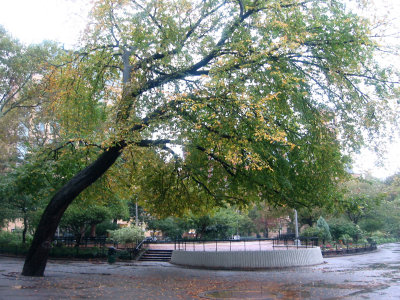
260 96
217 102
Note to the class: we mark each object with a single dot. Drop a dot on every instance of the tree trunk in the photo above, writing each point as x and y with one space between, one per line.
36 259
25 229
93 230
79 236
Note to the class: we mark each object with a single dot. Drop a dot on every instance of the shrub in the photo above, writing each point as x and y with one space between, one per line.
340 227
380 237
14 238
312 232
123 254
11 242
74 252
104 227
346 239
127 235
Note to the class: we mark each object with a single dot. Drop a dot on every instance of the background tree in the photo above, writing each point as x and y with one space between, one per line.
222 223
78 219
268 218
23 192
362 198
307 216
171 227
23 80
261 96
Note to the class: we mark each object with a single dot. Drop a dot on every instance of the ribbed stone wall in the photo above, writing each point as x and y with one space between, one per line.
248 259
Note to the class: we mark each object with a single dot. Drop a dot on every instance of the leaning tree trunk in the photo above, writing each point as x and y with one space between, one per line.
36 259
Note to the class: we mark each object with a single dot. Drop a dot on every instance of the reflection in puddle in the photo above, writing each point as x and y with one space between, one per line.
17 287
312 290
254 294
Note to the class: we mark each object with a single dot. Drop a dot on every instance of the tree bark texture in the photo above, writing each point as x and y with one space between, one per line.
36 259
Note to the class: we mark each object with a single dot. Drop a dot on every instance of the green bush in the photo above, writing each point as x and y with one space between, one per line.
123 254
127 235
321 231
341 227
103 228
384 240
14 238
312 232
380 237
345 239
11 243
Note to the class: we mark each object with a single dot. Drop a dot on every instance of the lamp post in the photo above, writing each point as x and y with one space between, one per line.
137 214
296 228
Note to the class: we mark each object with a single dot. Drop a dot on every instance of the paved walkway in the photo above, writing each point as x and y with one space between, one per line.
369 276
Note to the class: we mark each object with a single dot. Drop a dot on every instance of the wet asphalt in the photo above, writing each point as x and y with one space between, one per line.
368 276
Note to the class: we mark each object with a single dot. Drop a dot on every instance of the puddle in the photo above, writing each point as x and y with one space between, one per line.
12 274
255 294
103 274
381 266
16 287
23 287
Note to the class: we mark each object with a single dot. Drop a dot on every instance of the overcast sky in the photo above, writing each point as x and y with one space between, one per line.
32 21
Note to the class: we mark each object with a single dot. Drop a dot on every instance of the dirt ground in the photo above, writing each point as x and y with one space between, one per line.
368 276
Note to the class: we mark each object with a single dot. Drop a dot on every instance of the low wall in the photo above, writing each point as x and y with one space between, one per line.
248 259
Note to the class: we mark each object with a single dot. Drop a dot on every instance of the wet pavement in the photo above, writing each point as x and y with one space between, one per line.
369 276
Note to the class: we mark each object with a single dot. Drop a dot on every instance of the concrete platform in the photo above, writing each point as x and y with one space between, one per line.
248 259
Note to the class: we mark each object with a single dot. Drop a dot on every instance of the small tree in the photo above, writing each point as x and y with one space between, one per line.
324 227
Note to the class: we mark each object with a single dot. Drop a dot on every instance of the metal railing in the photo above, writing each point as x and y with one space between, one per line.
135 251
255 244
291 242
347 249
70 241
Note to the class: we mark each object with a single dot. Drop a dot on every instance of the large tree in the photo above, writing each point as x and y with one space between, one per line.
259 95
